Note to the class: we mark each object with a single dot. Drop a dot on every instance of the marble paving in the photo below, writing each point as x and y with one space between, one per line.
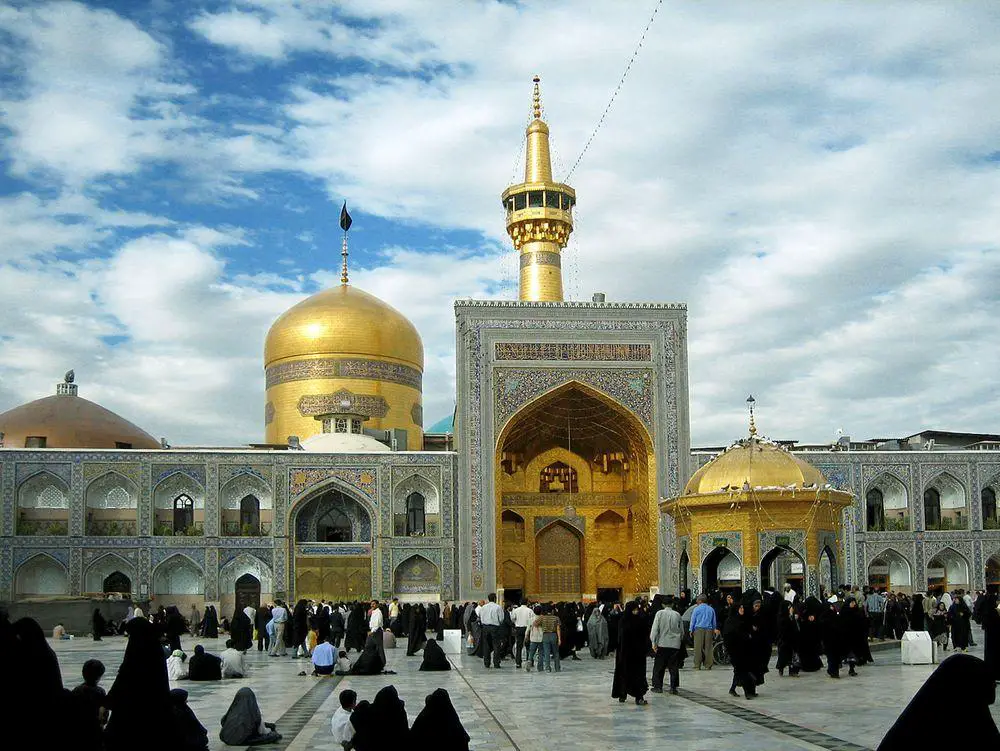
512 709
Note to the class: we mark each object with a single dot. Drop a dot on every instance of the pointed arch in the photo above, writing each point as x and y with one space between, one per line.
417 575
41 575
244 484
43 490
513 575
102 567
178 575
609 526
610 574
947 569
891 570
559 556
512 524
112 491
245 563
887 506
177 484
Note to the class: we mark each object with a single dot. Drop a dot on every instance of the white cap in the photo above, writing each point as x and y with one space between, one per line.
832 599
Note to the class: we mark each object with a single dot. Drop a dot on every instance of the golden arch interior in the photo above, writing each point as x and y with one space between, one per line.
576 500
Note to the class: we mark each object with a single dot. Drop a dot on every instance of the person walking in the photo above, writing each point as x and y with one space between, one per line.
704 629
666 636
522 616
551 636
491 619
279 617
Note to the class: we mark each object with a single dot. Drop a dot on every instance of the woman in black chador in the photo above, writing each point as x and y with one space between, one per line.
300 627
417 634
833 638
630 659
854 632
372 659
810 639
739 645
917 614
959 617
139 699
98 624
962 686
991 630
390 714
210 624
434 657
243 725
357 629
241 629
788 640
438 727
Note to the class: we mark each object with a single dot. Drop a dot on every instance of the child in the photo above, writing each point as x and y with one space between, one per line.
343 730
90 692
343 664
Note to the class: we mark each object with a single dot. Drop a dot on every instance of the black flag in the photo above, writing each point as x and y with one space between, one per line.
345 218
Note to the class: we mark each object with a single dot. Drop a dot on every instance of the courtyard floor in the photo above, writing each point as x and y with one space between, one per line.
513 709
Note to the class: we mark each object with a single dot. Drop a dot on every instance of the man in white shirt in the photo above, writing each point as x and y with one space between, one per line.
232 662
490 618
343 730
375 620
666 636
522 616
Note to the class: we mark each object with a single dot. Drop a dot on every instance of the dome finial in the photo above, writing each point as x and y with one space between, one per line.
536 99
345 224
753 427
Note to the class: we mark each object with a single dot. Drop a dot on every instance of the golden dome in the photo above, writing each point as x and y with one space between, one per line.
757 463
346 321
67 421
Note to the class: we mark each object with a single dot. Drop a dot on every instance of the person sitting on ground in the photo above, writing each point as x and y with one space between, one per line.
59 632
372 659
438 726
243 725
194 736
177 667
323 658
91 693
232 661
434 657
343 663
343 730
204 666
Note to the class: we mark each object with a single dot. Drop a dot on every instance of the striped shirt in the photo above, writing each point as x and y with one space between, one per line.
547 623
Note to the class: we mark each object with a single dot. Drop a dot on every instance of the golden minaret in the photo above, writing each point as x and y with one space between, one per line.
539 215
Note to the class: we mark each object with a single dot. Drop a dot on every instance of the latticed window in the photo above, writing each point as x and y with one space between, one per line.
340 425
558 478
183 513
356 426
51 497
117 497
415 514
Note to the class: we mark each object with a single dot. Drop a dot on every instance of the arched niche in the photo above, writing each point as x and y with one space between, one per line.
101 568
683 570
827 570
247 507
890 571
417 575
558 455
993 573
988 504
947 570
609 526
512 525
241 565
887 505
611 575
512 576
178 575
332 515
41 576
112 503
43 505
946 504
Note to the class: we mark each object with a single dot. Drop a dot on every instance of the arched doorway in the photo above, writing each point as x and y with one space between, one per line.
579 449
722 570
117 582
513 580
183 513
610 581
993 574
326 521
827 570
247 591
684 571
249 516
782 566
558 554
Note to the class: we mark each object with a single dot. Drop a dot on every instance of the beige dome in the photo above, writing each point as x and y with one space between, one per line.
68 421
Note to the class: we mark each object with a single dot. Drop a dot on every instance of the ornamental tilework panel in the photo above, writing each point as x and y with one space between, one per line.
416 571
6 573
245 563
327 367
300 479
311 405
241 486
62 470
706 544
211 505
767 541
146 502
197 555
76 571
516 387
227 555
211 572
589 351
93 470
162 471
23 554
280 567
8 500
228 471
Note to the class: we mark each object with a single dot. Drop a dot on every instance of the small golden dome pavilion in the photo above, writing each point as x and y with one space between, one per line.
757 517
343 345
68 421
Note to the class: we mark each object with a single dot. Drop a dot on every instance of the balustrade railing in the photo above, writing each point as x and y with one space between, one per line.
42 527
235 529
112 527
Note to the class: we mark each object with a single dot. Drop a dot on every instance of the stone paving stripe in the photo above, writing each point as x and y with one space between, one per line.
292 722
488 710
784 727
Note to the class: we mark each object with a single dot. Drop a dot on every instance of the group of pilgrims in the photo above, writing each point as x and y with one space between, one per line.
748 627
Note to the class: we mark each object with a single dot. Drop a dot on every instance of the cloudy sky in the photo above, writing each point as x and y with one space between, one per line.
819 182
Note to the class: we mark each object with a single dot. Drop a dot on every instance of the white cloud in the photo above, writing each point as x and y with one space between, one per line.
819 183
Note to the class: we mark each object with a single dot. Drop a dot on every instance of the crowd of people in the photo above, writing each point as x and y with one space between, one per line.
742 629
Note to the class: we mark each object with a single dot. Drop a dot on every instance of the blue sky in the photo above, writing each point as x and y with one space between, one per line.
819 182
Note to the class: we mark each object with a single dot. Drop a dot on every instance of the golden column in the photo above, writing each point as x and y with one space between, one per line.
539 215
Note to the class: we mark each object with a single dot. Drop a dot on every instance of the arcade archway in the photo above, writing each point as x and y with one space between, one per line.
889 571
782 566
722 570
